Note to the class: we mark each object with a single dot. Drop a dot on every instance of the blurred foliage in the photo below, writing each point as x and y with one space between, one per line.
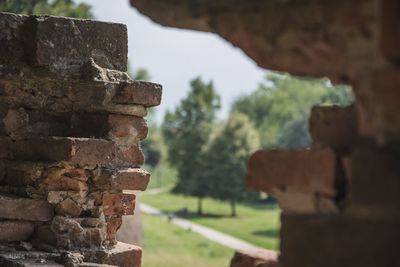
65 8
186 131
280 107
226 158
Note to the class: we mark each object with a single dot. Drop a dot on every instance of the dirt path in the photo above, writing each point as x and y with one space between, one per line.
211 234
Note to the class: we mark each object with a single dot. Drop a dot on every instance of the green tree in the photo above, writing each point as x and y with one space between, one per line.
280 107
226 159
65 8
186 132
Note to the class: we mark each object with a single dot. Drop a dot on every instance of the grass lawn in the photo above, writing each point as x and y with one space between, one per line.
167 245
257 224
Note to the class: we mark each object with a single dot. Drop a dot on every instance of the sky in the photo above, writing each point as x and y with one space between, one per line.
173 57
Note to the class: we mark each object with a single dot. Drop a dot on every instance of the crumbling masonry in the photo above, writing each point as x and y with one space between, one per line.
70 125
341 197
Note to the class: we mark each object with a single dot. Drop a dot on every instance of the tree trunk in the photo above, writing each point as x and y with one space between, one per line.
233 208
200 206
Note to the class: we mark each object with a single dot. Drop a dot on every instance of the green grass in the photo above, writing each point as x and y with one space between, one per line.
167 245
257 224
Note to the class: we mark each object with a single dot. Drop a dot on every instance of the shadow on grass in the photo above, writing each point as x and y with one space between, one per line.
272 233
195 215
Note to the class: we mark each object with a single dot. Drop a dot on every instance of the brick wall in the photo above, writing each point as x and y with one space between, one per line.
71 122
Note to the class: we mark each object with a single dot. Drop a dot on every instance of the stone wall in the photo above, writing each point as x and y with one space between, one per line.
340 198
71 121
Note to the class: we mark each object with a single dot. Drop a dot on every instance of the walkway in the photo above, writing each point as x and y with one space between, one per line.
211 234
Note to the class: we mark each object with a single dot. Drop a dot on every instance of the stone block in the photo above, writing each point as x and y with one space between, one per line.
25 209
15 230
68 207
374 184
139 92
81 151
389 30
124 179
303 171
122 255
377 107
12 48
118 204
331 241
333 126
62 43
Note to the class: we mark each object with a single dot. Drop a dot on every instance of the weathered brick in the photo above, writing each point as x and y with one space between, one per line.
15 230
389 32
118 204
68 207
63 179
25 209
303 171
65 42
333 126
113 224
373 184
130 156
80 151
377 105
122 255
12 33
20 173
353 241
259 258
125 179
139 92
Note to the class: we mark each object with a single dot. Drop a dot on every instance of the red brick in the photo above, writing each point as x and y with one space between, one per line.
80 151
113 224
125 179
131 156
61 179
68 207
15 230
333 126
128 126
139 92
122 255
77 41
25 209
303 171
264 258
118 204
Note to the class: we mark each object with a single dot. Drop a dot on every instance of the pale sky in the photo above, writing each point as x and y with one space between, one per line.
173 57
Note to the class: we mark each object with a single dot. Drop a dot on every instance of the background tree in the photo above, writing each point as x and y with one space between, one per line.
65 8
280 107
186 132
226 159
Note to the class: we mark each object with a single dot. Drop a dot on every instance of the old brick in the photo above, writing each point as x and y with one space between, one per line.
139 92
302 171
377 107
374 183
118 204
15 230
128 126
68 207
389 32
122 255
63 43
25 209
63 179
353 241
333 126
12 47
130 156
125 179
20 173
80 151
259 258
113 224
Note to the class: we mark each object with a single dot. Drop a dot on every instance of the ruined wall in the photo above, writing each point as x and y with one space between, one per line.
340 198
70 125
